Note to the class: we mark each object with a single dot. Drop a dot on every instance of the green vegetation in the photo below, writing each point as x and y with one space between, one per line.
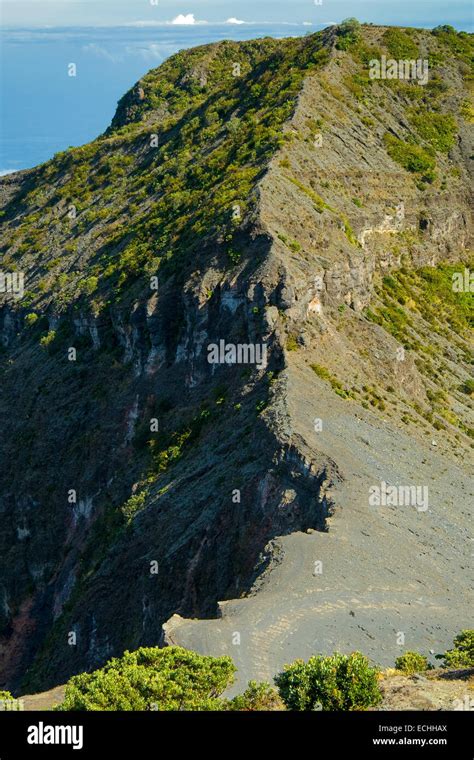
467 111
420 309
462 654
318 202
412 157
426 293
257 696
348 231
152 197
174 678
294 246
444 29
155 190
165 450
400 45
89 285
372 397
291 343
47 339
411 662
338 682
437 129
320 205
468 387
152 679
348 33
394 319
336 385
459 44
357 85
6 696
133 505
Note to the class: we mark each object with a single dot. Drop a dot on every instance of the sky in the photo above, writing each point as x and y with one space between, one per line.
28 13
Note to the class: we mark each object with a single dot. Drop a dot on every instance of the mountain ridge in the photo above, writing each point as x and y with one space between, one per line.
257 233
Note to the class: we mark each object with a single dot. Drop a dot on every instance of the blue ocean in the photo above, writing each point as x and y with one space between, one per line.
44 110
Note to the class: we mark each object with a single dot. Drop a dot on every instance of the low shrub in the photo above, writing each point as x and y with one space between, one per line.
134 504
411 662
47 339
338 682
291 343
257 696
462 654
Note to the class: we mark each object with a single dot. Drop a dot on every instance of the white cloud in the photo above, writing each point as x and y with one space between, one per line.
187 20
234 20
4 172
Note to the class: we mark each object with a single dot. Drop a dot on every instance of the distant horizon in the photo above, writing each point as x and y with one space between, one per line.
170 25
195 13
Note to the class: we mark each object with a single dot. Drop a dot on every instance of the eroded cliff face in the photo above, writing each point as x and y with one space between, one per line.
72 563
139 480
355 213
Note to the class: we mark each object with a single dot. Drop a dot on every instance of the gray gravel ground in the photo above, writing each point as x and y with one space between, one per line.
386 571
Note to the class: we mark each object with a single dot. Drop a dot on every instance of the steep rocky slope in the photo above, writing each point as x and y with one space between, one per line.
258 193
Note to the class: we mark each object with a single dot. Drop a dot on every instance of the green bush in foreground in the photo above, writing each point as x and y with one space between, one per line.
411 662
462 654
338 682
152 679
5 696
